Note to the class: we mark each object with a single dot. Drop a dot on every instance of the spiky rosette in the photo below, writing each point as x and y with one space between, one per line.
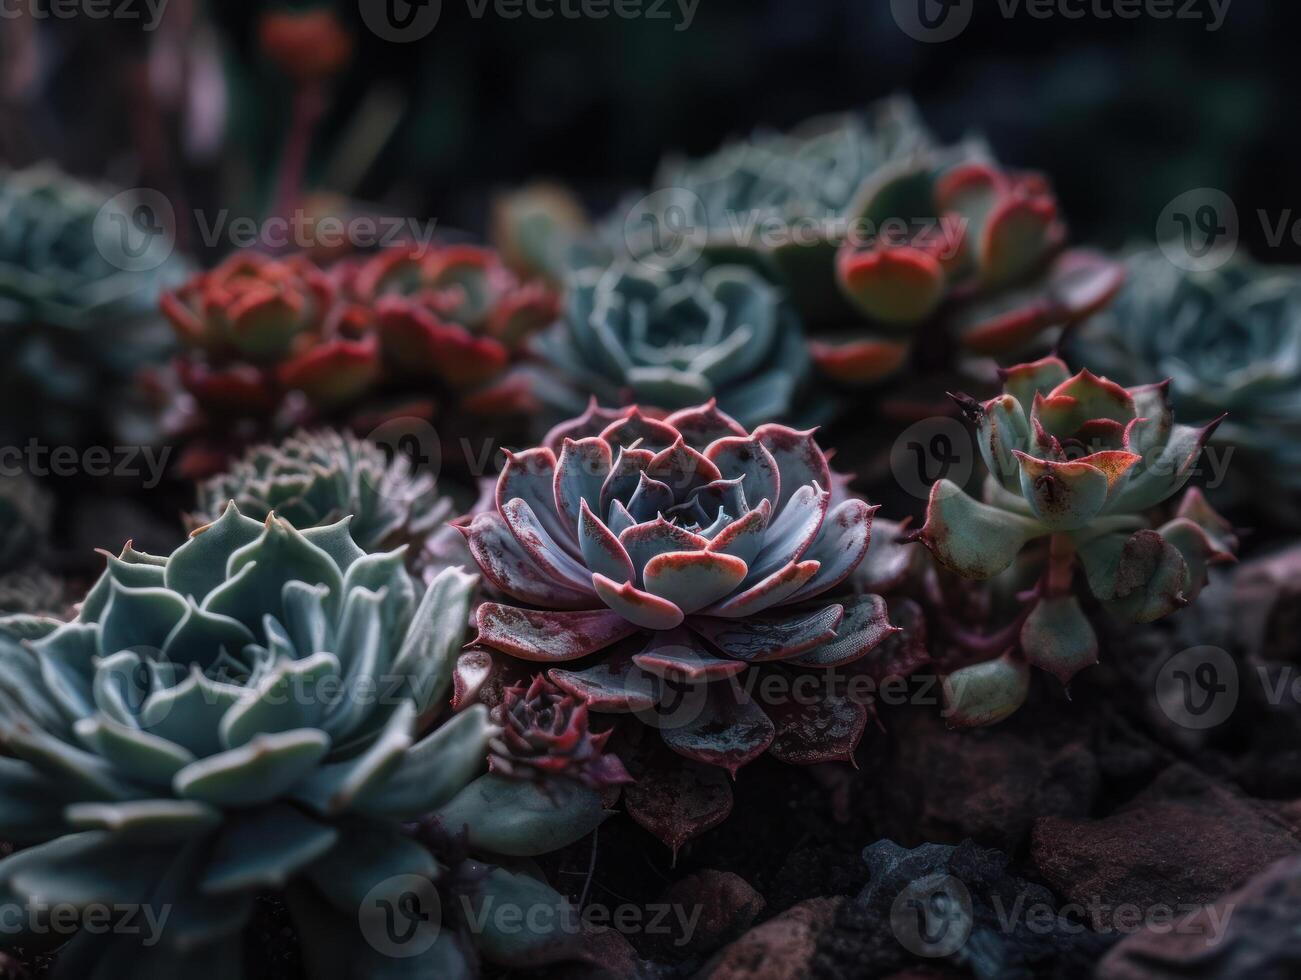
670 340
320 477
1079 461
658 560
545 734
248 713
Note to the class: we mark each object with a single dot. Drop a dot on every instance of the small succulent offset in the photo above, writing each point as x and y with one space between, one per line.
77 319
320 477
1230 341
660 559
251 713
1076 462
633 334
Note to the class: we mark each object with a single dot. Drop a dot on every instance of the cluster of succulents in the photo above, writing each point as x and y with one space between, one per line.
1077 464
260 710
1229 340
79 286
272 343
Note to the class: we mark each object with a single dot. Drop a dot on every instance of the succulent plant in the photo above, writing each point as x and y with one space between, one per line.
77 319
250 714
1077 462
877 232
272 344
545 734
1230 341
657 560
537 228
320 477
670 340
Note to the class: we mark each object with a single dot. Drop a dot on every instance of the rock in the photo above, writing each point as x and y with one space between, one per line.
933 784
1180 844
780 949
607 956
717 907
1249 933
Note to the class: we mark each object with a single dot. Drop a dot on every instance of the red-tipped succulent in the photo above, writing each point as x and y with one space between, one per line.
1076 462
978 248
545 734
657 563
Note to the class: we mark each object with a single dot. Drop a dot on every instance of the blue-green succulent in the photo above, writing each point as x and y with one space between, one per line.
256 712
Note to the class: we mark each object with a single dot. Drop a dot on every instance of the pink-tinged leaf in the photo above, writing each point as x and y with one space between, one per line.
334 372
1166 468
636 429
591 423
866 625
1004 323
638 608
682 469
902 653
601 549
859 362
1156 417
1196 508
792 531
651 499
1082 282
894 285
974 540
742 456
730 731
549 637
625 476
743 538
770 637
542 549
531 476
1024 381
839 547
677 655
799 459
679 802
705 424
644 542
581 471
482 675
1018 235
1199 551
1064 496
985 694
692 580
766 593
615 685
510 569
1091 397
1058 638
828 730
1115 466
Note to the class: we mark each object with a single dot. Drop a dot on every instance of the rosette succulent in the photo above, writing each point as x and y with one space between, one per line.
671 340
251 713
1230 341
1076 464
320 477
659 560
78 313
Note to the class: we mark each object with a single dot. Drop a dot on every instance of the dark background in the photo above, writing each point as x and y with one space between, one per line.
1123 114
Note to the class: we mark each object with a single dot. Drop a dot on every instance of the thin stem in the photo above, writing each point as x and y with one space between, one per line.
1061 565
308 107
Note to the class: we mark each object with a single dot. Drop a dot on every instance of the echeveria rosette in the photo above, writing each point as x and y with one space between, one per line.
319 477
1080 461
250 713
974 246
633 334
1230 341
76 321
653 556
